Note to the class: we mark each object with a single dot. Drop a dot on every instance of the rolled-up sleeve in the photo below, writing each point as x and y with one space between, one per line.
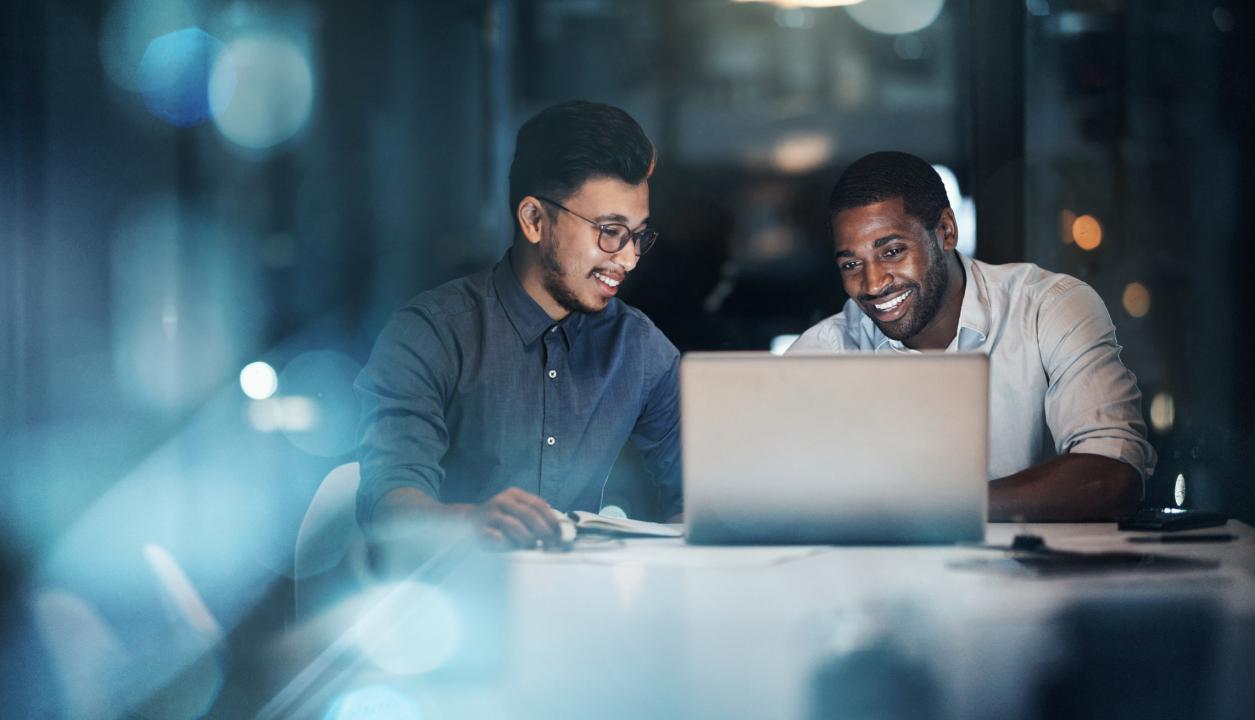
402 391
657 430
1092 403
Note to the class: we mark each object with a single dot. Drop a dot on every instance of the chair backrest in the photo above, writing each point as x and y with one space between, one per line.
329 536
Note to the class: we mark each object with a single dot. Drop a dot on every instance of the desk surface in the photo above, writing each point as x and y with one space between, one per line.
654 628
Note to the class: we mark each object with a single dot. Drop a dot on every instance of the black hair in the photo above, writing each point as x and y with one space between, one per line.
565 145
886 175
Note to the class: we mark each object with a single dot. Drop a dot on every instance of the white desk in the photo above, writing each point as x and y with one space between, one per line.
654 628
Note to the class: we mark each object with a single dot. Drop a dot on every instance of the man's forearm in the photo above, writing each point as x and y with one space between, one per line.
406 504
1075 487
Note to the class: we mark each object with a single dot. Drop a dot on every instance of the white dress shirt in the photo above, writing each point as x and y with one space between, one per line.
1056 383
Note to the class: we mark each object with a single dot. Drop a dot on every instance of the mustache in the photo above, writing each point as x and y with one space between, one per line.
611 272
865 298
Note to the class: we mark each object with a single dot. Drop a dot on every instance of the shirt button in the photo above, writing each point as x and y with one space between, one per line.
553 329
553 374
550 440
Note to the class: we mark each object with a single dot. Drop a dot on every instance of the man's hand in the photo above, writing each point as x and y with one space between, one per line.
515 518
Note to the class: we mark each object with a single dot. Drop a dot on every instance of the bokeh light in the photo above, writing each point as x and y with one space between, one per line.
377 702
1087 232
896 17
174 76
1178 490
258 380
800 153
1136 299
326 378
409 628
129 27
1163 412
260 91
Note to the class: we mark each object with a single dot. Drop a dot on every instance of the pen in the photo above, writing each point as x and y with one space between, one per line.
1200 538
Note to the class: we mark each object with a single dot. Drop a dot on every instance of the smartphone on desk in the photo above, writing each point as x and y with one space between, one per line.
1169 519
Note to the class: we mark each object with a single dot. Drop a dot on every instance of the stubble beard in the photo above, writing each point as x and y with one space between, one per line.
555 279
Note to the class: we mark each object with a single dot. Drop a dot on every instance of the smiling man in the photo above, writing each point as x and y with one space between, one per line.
1067 438
506 393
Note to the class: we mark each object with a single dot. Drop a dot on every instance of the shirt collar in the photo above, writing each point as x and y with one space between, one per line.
527 317
973 314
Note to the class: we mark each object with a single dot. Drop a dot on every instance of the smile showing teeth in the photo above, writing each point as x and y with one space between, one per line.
607 280
893 303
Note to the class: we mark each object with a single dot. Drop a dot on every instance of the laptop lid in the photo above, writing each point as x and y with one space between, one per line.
839 448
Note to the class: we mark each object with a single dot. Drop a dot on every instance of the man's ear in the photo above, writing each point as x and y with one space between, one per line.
948 230
531 218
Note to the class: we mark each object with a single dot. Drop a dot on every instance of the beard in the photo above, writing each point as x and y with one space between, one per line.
929 294
556 280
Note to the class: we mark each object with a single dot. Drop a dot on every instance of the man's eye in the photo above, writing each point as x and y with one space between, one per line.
614 232
847 266
894 251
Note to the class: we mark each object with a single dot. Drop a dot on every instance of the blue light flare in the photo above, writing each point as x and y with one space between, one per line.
174 75
408 628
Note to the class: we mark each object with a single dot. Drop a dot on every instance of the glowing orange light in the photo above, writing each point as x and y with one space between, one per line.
1087 232
1136 299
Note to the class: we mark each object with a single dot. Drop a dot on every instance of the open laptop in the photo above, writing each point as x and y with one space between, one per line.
834 449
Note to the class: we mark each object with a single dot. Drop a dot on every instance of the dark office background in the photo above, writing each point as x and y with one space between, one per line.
152 246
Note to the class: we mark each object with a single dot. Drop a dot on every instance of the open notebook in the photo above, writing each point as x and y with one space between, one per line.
584 521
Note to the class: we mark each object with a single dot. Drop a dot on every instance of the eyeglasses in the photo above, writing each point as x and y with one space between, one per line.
613 237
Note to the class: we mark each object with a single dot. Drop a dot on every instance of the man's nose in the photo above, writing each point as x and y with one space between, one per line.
627 256
875 279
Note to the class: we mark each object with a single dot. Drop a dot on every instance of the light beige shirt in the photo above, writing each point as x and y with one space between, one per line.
1056 383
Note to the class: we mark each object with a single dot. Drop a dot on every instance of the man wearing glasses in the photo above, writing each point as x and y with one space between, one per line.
506 393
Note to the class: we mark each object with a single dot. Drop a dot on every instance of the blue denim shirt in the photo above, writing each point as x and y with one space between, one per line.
472 388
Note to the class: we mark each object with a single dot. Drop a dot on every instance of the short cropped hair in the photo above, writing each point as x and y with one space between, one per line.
886 175
565 145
